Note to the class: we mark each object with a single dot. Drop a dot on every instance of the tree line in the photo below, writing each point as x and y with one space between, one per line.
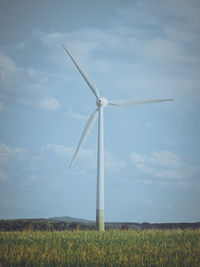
51 225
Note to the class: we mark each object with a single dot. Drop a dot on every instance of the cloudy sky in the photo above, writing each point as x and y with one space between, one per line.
133 49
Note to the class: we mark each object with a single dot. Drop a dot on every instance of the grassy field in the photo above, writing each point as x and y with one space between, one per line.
111 248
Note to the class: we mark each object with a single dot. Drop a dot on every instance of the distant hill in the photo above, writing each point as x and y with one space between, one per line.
69 219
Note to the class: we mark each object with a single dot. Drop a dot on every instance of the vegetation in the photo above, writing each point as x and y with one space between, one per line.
42 225
91 248
60 224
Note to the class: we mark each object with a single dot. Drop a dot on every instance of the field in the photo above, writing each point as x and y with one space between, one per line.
110 248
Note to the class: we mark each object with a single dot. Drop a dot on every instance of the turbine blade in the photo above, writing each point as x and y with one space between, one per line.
85 133
124 103
84 75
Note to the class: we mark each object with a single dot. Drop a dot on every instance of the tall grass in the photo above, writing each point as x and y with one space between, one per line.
90 248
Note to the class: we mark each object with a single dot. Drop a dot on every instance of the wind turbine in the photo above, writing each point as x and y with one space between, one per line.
101 103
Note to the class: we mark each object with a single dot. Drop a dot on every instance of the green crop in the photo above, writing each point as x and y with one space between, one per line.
110 248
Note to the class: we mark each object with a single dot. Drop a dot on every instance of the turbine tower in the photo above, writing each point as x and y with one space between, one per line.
101 103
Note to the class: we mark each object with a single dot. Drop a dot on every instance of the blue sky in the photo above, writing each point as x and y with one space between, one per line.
132 50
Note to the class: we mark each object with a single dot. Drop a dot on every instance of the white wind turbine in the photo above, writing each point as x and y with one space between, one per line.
101 103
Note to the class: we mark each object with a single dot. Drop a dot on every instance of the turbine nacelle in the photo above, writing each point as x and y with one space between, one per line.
102 101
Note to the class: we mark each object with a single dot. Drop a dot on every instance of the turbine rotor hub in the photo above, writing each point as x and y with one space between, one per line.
102 101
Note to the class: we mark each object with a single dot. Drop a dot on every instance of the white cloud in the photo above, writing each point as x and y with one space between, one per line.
8 70
50 161
75 115
138 158
164 164
60 150
8 152
165 159
134 49
47 167
140 40
113 163
19 85
66 153
49 104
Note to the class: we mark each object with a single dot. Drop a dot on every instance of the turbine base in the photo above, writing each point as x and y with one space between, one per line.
100 219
